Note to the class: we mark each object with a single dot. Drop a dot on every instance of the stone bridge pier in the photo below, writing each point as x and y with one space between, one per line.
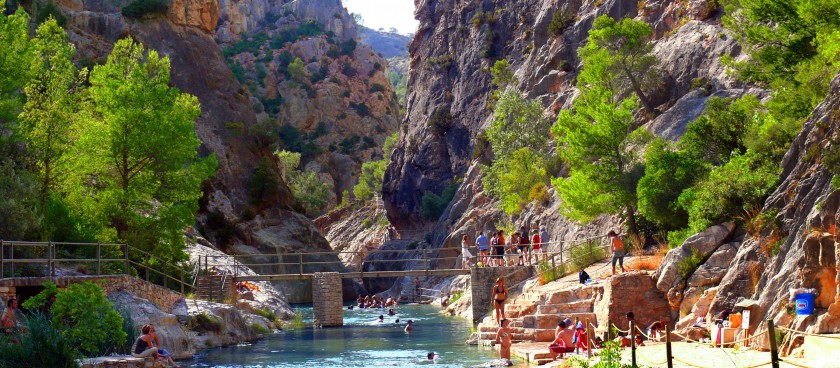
327 300
482 281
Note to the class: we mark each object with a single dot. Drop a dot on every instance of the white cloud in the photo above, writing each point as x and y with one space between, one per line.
377 14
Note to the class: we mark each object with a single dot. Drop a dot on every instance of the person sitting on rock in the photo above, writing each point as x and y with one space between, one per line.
583 277
163 354
562 341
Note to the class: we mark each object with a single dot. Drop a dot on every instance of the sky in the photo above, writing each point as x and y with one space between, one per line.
385 14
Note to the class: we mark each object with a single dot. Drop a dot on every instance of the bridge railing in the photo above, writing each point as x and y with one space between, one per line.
17 259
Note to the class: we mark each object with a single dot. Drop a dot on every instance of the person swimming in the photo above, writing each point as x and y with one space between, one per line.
391 312
409 326
381 318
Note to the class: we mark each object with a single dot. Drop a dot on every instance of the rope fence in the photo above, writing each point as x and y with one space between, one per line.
650 359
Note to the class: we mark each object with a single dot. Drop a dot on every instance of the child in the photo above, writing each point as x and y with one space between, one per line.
503 337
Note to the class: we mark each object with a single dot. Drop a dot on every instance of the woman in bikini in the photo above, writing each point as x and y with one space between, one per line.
500 294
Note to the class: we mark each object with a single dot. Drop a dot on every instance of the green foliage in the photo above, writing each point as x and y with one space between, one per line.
434 205
597 141
296 141
361 108
400 84
139 9
667 174
502 75
488 45
308 189
15 72
204 322
561 19
42 346
619 54
440 120
373 172
511 178
347 47
548 274
310 28
49 10
585 254
609 357
376 87
793 47
720 130
297 71
686 266
742 183
141 147
678 237
84 317
18 201
260 329
518 123
265 185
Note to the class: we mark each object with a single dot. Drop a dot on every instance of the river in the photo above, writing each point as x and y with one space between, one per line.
362 342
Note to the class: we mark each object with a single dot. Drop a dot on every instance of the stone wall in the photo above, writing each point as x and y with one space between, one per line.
483 279
631 292
162 297
327 306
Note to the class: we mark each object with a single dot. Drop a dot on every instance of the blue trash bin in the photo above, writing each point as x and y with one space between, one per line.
805 304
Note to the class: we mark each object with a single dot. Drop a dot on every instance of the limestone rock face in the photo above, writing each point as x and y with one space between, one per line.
712 271
232 325
203 14
635 292
426 160
355 232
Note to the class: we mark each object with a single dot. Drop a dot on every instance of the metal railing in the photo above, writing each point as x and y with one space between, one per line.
17 257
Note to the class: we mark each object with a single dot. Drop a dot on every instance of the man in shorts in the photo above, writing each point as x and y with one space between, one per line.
483 248
617 248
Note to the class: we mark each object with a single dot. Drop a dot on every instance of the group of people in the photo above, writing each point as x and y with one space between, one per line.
520 249
375 301
569 337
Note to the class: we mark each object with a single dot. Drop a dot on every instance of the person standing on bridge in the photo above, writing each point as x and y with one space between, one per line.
483 248
466 256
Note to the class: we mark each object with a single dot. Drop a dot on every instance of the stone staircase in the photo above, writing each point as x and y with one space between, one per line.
214 287
535 314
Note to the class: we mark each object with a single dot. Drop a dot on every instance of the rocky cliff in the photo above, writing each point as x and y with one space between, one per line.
458 41
312 84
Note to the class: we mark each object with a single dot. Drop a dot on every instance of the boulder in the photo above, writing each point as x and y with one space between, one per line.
173 336
703 243
216 324
712 271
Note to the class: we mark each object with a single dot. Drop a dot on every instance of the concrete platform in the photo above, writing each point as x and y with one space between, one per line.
822 351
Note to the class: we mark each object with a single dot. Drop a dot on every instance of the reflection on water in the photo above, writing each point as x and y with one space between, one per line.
362 342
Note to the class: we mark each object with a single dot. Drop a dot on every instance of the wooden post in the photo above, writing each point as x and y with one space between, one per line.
577 348
588 340
165 274
182 280
2 259
98 259
125 258
300 262
633 341
669 356
49 259
12 257
426 259
609 330
774 350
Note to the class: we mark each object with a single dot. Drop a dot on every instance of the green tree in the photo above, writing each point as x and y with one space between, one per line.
373 172
48 121
136 169
297 71
667 173
309 190
794 49
510 178
625 49
598 142
16 56
720 130
517 123
83 315
19 214
739 185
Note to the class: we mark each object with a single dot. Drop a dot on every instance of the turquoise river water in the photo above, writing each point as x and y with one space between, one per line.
362 342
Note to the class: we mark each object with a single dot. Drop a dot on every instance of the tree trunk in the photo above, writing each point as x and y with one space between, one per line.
637 89
631 221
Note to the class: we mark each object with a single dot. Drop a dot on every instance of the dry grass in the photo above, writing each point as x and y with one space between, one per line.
651 262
